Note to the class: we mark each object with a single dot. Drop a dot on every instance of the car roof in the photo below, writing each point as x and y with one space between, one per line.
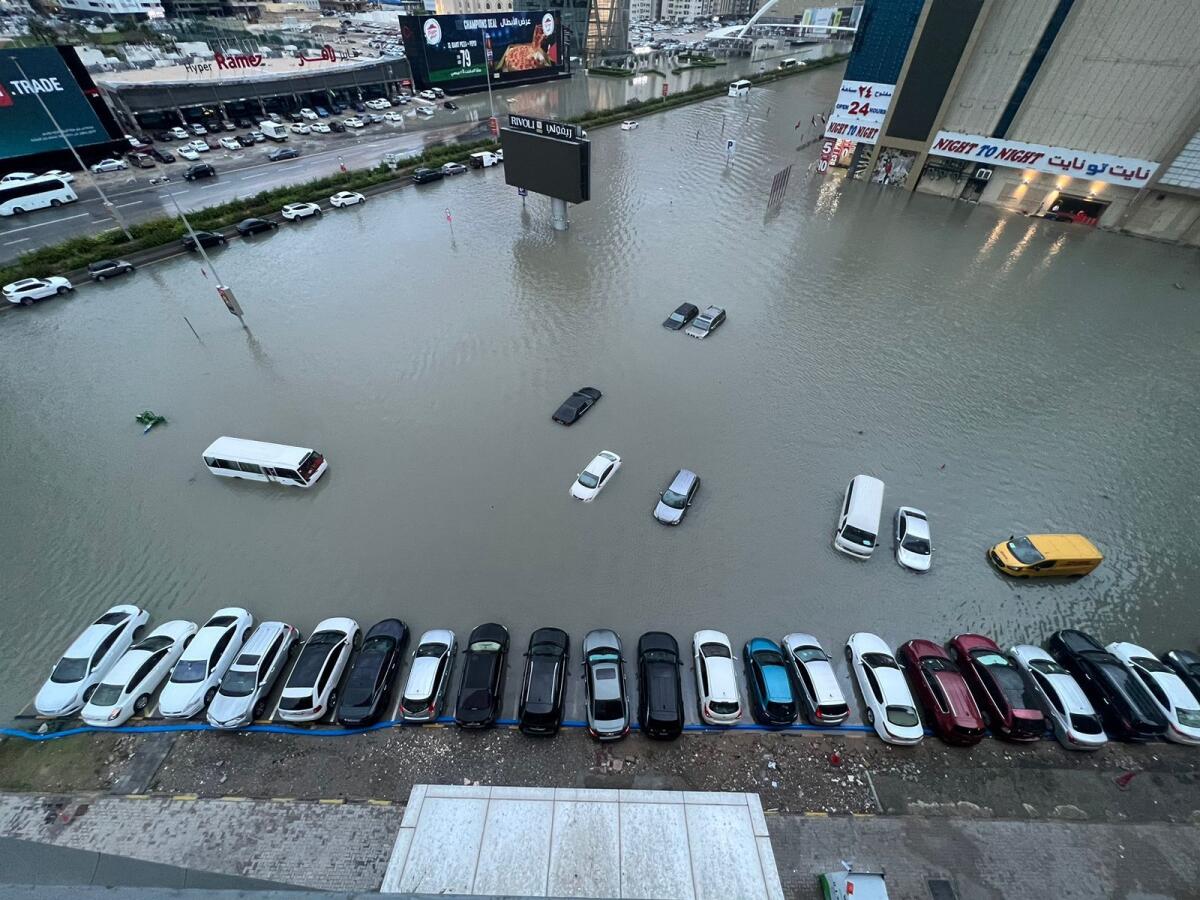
260 641
722 681
893 685
754 645
598 464
865 642
918 526
710 311
1060 546
779 686
926 648
549 636
682 479
1078 640
88 639
710 636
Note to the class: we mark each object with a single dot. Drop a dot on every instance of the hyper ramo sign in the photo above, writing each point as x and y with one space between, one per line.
24 126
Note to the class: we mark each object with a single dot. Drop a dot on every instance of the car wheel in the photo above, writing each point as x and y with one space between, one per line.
27 301
208 696
870 716
17 211
259 708
56 203
141 702
101 277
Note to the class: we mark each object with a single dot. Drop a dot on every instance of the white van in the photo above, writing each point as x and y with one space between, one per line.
739 88
483 159
259 461
858 528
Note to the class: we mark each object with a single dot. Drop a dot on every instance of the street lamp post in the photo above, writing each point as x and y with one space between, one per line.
108 204
222 290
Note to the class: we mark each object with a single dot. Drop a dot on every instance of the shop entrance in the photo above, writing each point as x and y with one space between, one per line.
1069 208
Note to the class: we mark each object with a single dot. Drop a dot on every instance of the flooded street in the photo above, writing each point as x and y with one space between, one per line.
1004 374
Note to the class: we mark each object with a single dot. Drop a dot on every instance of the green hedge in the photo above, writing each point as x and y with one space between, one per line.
610 72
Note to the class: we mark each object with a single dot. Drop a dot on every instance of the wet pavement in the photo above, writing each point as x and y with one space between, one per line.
1002 373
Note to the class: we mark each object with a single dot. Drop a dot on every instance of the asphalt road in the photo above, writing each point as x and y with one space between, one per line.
239 174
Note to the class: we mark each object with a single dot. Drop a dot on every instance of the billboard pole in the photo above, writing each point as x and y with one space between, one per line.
108 205
223 292
487 64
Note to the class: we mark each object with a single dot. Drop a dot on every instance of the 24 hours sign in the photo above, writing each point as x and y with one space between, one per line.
859 111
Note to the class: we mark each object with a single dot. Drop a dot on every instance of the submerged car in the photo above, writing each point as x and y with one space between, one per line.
1169 692
197 675
595 476
891 709
247 227
768 684
571 409
453 168
817 684
28 290
706 323
682 317
481 690
676 499
943 692
604 682
428 676
540 707
130 684
311 688
294 212
913 548
1126 708
87 660
660 693
107 268
202 238
1004 696
347 198
629 125
424 175
372 673
716 679
1075 722
242 696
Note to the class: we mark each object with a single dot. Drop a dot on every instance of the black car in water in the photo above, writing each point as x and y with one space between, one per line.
368 686
682 316
283 153
205 239
540 708
424 174
660 694
576 405
198 171
107 268
254 226
1127 710
1186 665
480 690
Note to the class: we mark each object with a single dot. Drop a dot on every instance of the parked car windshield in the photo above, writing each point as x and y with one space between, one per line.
1188 717
189 671
434 650
674 500
903 716
717 650
879 661
68 671
239 684
588 480
1047 667
858 536
810 654
915 545
106 695
1022 548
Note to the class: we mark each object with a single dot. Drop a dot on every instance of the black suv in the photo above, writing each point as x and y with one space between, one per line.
254 226
423 174
660 695
107 268
206 239
1127 710
161 155
540 707
199 170
283 153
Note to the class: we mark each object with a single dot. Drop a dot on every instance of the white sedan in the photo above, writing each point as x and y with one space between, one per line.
890 705
197 675
230 144
628 125
427 95
394 116
595 476
200 146
354 122
346 198
87 660
110 165
295 211
27 290
1170 694
64 177
178 133
426 110
716 678
913 548
17 177
311 687
188 153
1071 714
301 128
129 685
321 128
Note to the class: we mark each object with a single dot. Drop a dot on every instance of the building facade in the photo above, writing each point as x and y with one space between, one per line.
472 7
1085 111
117 9
607 27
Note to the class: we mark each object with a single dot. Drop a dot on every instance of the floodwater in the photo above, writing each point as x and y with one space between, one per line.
1002 373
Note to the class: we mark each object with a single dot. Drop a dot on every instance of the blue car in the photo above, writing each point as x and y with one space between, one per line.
322 112
768 683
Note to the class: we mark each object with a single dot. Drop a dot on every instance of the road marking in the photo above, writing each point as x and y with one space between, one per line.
287 168
379 803
255 175
43 224
17 241
130 203
186 797
331 801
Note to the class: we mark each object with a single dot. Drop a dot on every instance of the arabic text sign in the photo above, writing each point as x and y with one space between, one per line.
859 111
1042 158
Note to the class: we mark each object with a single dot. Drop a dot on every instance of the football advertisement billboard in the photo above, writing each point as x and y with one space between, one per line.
25 129
459 53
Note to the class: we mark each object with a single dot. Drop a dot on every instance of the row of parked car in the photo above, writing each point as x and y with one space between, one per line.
1083 691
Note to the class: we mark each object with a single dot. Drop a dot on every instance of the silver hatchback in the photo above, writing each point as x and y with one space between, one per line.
242 697
673 503
604 676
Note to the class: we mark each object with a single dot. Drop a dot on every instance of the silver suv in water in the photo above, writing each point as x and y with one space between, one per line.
674 501
242 697
706 323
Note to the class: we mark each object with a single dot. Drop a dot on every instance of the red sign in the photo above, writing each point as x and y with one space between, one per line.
827 155
5 97
238 61
328 54
494 126
666 89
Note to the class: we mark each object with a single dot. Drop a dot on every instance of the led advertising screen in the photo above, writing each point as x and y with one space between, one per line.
547 165
456 53
25 128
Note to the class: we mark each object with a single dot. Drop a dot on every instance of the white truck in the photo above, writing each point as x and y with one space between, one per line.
274 130
483 159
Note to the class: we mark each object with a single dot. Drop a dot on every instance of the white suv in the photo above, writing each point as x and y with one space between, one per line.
27 290
716 681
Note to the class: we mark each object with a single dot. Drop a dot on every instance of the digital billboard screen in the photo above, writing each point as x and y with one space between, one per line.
457 53
25 128
546 165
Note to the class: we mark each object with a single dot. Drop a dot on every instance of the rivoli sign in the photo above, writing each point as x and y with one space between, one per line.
1083 164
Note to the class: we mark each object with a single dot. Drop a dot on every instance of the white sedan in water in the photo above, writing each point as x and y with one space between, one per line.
321 128
197 675
628 125
890 705
595 476
110 165
64 177
188 153
295 211
130 684
1180 707
87 660
347 198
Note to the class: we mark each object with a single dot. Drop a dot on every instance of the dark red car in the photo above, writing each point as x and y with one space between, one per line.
1008 702
943 692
